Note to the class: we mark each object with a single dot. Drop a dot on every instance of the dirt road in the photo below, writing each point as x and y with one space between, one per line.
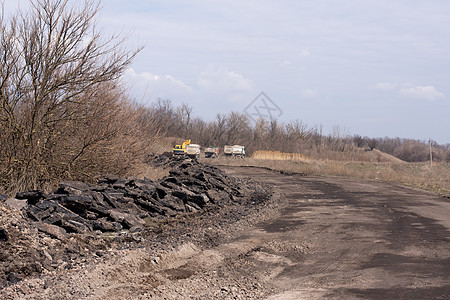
347 238
322 238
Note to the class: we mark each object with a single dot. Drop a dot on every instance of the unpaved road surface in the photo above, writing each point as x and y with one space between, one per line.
350 239
318 238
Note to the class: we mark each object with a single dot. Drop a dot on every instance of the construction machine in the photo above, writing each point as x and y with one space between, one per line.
234 151
193 150
181 149
212 152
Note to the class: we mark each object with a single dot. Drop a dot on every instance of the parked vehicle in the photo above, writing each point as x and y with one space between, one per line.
234 151
181 149
193 150
212 152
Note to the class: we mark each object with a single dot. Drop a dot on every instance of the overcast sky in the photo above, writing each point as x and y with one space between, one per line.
374 68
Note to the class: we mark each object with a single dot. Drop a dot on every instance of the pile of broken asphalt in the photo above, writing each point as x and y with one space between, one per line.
56 231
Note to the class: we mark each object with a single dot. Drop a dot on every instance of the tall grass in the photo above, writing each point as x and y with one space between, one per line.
277 155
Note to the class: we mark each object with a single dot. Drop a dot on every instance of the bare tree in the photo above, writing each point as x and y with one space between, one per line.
447 156
237 127
218 130
54 65
183 119
260 132
372 143
359 140
163 112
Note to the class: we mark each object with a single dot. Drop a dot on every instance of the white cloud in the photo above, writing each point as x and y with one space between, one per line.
156 86
409 90
218 84
421 92
407 85
221 80
304 53
384 86
309 93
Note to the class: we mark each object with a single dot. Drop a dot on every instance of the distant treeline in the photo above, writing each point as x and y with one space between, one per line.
294 137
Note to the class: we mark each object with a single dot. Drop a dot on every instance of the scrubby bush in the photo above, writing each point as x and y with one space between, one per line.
63 113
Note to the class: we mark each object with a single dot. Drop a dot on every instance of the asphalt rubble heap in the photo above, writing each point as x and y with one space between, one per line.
52 230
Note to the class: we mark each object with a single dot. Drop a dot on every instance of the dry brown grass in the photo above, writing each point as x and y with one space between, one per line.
354 155
166 144
277 155
144 170
434 178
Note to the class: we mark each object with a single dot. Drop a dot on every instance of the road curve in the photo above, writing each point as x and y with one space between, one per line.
342 238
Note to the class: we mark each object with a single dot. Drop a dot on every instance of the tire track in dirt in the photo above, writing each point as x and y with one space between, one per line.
366 239
330 238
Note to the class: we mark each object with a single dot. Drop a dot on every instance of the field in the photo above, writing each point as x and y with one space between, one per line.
375 165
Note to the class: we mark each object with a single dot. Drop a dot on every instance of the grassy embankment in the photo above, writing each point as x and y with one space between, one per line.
373 165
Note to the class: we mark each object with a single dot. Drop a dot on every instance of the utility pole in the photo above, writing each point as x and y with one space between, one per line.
431 154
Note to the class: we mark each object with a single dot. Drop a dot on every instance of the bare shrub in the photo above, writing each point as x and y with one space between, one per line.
412 151
372 143
359 141
60 102
447 156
